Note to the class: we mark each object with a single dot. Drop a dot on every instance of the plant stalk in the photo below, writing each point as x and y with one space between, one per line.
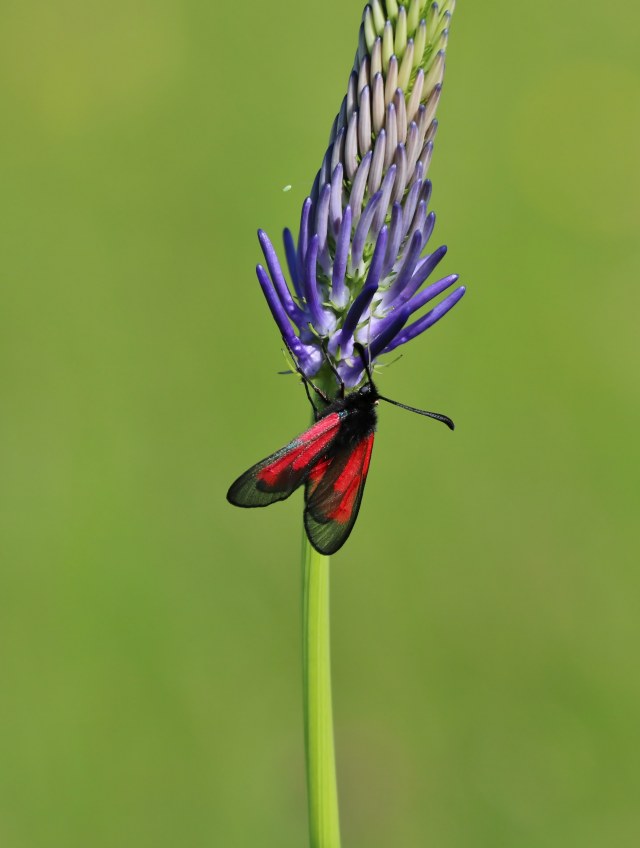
324 824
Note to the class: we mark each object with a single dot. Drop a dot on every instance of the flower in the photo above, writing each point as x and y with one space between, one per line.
357 268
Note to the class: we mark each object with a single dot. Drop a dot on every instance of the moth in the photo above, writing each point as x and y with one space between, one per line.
331 460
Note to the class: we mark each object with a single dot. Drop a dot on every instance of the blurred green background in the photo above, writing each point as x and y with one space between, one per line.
485 612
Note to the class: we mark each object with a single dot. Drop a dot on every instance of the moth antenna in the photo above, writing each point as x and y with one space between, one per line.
437 415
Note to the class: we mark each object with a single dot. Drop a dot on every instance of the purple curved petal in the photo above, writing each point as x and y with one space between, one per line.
292 260
386 189
411 202
279 283
359 184
362 230
406 271
422 271
422 298
339 292
303 238
395 237
323 321
427 320
335 205
345 338
322 216
308 357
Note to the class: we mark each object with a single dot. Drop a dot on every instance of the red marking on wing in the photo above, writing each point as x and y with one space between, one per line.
307 447
317 473
329 422
350 479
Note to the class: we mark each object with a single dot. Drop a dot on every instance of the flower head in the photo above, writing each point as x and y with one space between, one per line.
357 268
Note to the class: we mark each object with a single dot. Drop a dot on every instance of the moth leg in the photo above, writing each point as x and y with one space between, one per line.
316 411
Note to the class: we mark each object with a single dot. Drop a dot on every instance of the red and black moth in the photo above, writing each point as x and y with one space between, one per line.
331 459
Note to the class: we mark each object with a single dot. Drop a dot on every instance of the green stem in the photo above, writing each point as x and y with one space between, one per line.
324 825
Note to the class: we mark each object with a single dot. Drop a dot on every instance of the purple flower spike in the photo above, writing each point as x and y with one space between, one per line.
356 270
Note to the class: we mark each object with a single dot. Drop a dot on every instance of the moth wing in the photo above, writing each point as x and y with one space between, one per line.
279 475
333 495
